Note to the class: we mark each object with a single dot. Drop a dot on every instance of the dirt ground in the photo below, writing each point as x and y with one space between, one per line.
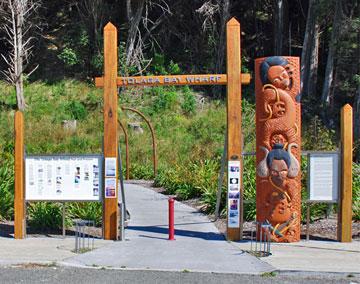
320 229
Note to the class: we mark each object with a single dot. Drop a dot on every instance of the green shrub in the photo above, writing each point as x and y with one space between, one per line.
44 215
166 100
315 136
6 190
141 171
188 105
356 192
86 211
76 109
249 183
159 66
69 57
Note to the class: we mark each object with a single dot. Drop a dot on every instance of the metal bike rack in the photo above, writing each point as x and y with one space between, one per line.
261 239
83 240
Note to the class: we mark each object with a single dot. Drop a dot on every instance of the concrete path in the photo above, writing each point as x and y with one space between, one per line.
315 256
44 250
198 245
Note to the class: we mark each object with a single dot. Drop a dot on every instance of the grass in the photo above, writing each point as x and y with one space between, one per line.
269 274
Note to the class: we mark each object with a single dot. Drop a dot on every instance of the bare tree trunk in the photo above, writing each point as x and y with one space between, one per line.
325 96
17 23
314 63
91 13
19 61
134 21
357 117
306 48
224 16
278 26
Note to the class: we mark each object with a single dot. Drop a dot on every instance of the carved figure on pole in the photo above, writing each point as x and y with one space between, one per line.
278 146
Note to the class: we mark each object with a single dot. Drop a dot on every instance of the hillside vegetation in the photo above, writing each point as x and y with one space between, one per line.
189 129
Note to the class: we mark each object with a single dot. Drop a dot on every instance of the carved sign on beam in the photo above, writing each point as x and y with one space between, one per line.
174 80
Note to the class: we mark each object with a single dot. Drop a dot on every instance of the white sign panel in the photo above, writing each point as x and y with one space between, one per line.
323 177
63 178
110 167
233 194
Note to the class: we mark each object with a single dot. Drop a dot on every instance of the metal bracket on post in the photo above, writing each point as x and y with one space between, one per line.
63 220
122 222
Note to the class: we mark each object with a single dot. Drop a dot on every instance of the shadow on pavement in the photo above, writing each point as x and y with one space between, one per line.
184 233
6 231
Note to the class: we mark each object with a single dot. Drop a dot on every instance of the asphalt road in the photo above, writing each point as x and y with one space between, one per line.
53 274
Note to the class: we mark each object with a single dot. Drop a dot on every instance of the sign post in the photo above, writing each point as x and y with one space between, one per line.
234 154
345 212
110 215
19 196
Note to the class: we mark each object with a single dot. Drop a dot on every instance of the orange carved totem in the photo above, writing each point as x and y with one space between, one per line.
278 141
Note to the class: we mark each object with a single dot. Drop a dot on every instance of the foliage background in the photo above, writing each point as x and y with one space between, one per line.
179 36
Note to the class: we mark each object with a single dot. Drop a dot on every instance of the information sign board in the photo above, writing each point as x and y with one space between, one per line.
323 177
233 194
63 178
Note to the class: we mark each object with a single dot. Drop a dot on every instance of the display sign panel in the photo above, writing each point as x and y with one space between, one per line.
233 194
323 176
63 178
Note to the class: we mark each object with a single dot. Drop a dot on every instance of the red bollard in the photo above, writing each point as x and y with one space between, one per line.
171 219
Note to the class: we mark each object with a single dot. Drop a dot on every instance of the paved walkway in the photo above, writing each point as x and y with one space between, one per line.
198 245
44 250
315 256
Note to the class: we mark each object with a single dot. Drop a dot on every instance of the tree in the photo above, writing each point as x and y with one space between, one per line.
138 12
279 13
17 24
309 55
329 72
92 16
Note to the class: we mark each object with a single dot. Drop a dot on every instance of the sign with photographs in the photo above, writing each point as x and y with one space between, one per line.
110 188
110 167
323 179
233 194
63 178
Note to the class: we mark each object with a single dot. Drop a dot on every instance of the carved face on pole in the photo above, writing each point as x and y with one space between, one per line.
279 77
278 171
278 164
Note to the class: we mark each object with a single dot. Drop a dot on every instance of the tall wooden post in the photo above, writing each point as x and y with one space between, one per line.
110 215
19 198
233 70
345 210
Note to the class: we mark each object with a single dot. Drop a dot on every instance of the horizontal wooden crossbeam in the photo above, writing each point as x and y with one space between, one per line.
173 80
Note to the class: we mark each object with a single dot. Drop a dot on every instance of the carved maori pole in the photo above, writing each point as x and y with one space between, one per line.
278 140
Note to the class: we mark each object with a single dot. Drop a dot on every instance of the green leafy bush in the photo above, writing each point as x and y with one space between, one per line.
166 100
86 211
6 189
356 192
44 215
159 66
249 183
69 56
188 104
76 109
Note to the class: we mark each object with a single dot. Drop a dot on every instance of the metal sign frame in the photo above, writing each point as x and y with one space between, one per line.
336 179
100 158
